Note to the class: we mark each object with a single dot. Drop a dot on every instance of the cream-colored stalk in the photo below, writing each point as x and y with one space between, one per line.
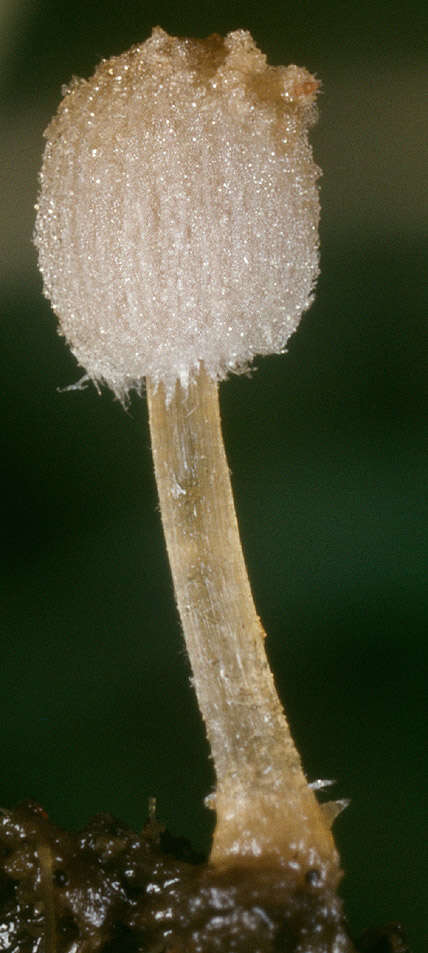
263 803
177 237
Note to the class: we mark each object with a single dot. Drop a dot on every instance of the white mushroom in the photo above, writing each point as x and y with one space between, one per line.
177 232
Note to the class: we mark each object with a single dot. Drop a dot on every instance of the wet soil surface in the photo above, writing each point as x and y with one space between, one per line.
107 889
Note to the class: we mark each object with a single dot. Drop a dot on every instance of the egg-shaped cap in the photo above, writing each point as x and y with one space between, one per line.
177 220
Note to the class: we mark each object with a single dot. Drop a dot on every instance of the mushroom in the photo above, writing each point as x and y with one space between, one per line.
177 233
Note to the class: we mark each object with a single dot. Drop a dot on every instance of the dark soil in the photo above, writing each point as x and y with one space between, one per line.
110 890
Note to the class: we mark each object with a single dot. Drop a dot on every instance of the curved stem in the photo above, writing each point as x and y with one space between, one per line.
263 803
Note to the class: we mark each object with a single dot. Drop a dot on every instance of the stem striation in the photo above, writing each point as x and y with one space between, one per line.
265 808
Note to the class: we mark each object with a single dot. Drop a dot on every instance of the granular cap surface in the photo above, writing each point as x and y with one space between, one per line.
177 221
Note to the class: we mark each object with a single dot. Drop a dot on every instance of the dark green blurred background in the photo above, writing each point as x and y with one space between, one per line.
328 448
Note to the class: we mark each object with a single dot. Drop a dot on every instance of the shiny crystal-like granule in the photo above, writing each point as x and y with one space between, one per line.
178 213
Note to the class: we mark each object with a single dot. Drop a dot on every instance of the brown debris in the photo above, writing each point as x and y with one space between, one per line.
106 889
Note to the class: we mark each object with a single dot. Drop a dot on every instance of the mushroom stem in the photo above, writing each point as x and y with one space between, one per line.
264 805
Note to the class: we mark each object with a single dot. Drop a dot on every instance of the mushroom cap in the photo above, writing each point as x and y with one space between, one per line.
177 220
